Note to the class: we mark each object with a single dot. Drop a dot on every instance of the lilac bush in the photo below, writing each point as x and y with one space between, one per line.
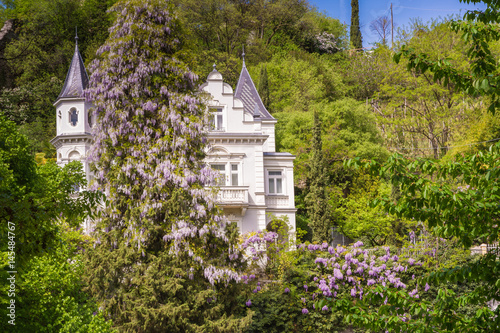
338 273
350 272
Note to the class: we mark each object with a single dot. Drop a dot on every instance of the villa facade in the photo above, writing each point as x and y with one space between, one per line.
255 181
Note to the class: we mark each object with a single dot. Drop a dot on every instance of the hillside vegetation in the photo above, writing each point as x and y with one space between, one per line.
342 111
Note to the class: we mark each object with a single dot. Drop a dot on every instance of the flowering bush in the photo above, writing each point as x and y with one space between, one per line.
336 286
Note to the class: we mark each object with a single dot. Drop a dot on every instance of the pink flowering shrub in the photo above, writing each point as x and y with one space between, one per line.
324 280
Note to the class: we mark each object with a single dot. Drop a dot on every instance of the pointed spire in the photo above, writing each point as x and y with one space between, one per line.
243 55
77 79
247 93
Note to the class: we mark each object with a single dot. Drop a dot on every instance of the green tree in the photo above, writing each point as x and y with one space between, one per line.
372 225
32 196
163 261
263 88
316 198
413 110
322 34
455 199
50 297
478 29
225 25
355 32
33 201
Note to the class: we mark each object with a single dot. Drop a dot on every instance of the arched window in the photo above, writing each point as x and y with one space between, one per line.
90 118
74 155
73 116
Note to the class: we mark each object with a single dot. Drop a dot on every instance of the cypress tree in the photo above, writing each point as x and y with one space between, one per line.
355 31
263 88
316 198
162 260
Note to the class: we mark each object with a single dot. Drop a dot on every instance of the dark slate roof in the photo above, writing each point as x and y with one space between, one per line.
246 91
76 79
267 153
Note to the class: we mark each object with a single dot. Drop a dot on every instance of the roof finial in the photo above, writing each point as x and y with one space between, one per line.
243 55
215 66
76 35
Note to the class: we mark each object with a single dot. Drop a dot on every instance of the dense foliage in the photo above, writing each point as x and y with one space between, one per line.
332 105
37 246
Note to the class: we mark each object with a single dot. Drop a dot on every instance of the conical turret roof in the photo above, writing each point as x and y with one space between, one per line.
77 79
246 91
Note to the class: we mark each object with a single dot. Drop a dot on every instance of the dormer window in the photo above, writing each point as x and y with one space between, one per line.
216 119
73 116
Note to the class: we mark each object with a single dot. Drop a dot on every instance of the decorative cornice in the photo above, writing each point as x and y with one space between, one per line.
236 138
78 138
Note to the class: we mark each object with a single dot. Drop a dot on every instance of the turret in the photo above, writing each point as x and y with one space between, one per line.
73 117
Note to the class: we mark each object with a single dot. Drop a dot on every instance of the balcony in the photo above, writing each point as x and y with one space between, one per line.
233 197
277 201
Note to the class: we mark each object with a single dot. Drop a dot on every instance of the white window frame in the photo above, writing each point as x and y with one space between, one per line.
222 181
233 173
216 118
274 179
229 172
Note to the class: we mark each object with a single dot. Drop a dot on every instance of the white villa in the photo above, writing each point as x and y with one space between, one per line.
256 181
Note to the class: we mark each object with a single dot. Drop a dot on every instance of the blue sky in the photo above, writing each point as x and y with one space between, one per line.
403 11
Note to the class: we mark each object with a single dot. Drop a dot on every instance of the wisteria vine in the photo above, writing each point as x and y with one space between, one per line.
149 143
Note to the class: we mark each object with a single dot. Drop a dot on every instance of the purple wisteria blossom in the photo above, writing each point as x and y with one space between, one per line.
149 146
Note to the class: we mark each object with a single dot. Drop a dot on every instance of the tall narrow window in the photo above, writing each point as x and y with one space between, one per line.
73 116
275 182
234 174
216 119
90 119
221 168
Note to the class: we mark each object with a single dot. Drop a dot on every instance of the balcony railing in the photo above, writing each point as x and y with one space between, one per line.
233 195
277 201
